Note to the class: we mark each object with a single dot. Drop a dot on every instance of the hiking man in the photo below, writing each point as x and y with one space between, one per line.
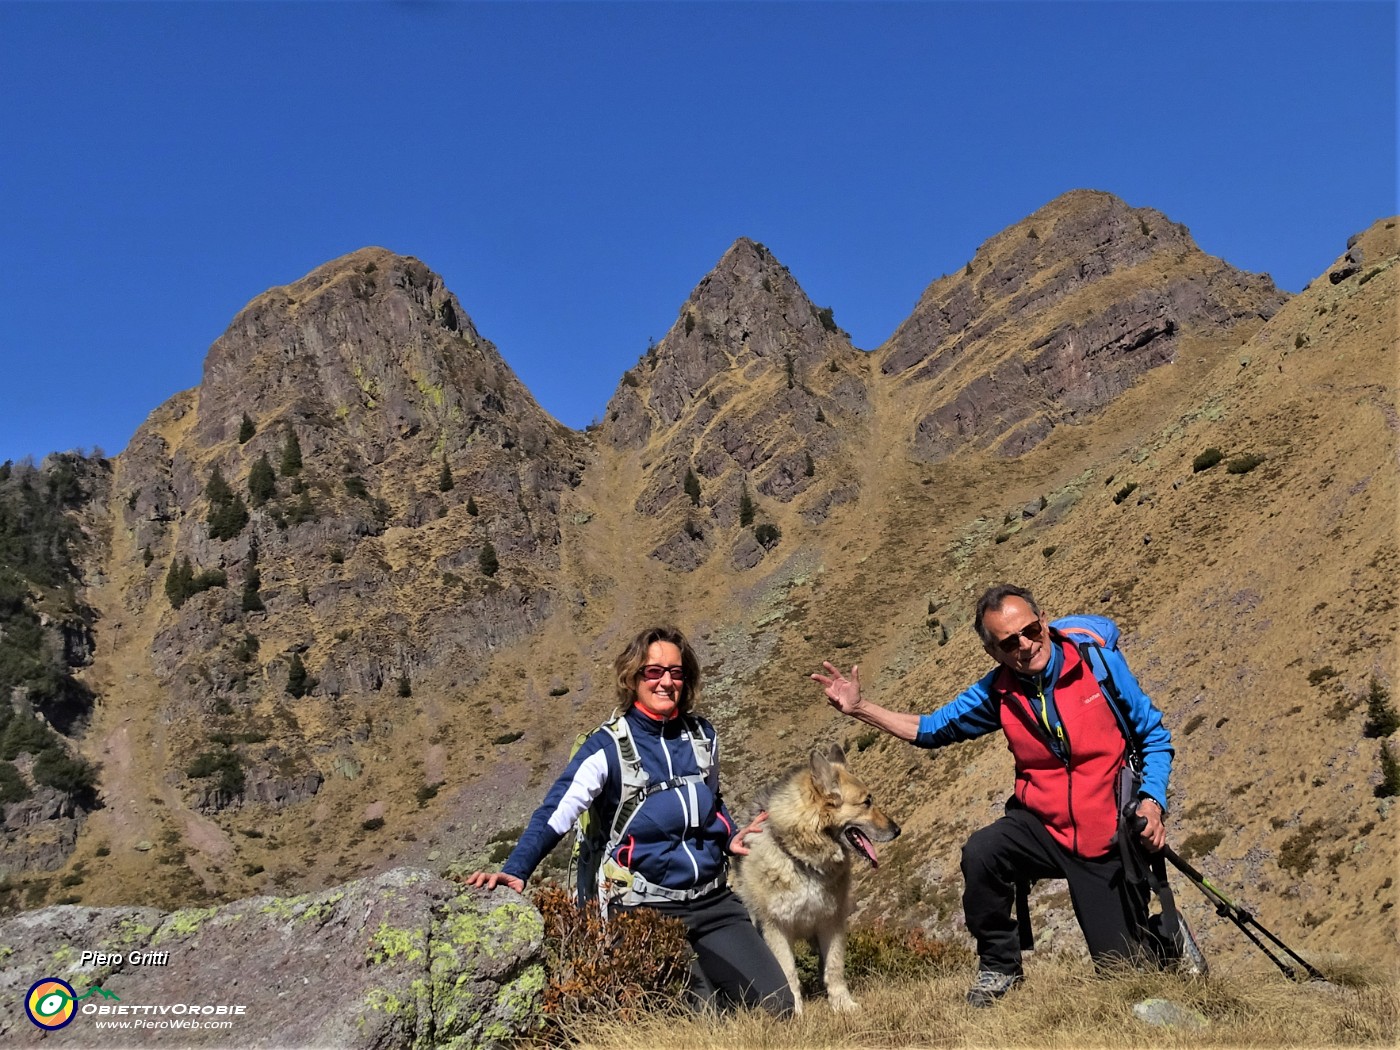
1047 694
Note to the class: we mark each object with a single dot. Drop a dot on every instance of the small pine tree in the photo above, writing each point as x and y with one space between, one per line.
246 430
445 481
299 682
745 506
217 490
405 686
471 507
227 520
179 582
252 582
809 467
487 559
291 455
1389 786
1381 717
262 482
692 487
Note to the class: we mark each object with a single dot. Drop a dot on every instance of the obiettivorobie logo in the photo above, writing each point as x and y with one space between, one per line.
52 1003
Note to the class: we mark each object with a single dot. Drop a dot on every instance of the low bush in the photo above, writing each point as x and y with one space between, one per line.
1243 464
624 968
1207 459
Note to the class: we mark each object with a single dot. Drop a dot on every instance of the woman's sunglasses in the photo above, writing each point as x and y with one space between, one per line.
1012 642
655 672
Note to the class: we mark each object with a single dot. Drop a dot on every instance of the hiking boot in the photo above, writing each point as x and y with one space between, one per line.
991 986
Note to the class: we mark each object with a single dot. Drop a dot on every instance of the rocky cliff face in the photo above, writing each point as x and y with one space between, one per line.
1054 318
754 392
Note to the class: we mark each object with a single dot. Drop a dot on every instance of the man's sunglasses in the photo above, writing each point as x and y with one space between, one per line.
655 672
1012 642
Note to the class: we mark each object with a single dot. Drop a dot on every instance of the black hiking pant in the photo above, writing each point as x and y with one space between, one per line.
1018 850
733 965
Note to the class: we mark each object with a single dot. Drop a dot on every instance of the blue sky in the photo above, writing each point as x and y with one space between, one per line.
573 170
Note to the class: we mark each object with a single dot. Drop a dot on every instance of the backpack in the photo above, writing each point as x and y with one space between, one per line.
594 874
1165 935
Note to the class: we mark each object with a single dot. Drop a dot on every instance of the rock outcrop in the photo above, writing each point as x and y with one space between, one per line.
1054 318
404 959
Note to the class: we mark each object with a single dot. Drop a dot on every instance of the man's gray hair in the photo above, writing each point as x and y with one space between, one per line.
992 599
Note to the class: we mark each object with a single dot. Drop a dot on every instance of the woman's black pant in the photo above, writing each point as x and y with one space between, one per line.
1017 849
733 964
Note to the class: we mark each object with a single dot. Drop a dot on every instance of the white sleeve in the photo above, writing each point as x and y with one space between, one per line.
587 784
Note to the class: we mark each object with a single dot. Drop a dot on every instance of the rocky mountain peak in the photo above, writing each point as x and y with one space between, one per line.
747 318
1057 315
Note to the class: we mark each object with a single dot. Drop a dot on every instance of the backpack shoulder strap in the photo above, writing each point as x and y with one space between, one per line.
1091 652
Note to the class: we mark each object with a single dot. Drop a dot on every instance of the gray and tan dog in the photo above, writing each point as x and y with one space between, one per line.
796 878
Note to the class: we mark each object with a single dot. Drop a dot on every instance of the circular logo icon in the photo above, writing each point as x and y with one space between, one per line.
50 1003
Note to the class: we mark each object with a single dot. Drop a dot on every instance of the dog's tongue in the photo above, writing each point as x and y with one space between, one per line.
864 845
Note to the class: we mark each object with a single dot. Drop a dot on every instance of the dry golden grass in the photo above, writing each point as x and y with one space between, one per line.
1062 1004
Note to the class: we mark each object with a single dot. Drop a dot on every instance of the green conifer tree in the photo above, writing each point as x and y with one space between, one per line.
487 559
445 481
692 486
227 520
471 507
298 680
246 430
217 489
262 482
291 455
745 506
179 582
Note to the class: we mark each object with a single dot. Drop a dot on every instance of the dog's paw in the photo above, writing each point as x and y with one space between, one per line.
843 1003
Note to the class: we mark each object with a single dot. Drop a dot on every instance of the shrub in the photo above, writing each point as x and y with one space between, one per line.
224 764
299 680
559 690
1389 786
1126 491
1243 464
471 507
226 520
426 792
291 455
621 968
1381 717
1200 843
692 487
373 824
445 482
508 738
26 735
745 506
828 321
70 774
809 468
262 482
1046 552
246 430
355 485
865 739
1318 675
405 686
487 559
12 785
767 535
1206 459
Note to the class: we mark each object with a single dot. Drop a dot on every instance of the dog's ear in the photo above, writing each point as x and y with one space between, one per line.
835 754
824 775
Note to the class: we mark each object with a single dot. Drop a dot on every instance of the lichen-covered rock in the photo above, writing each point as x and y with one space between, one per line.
402 960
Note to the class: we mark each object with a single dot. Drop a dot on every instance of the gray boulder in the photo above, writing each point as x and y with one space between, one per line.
405 959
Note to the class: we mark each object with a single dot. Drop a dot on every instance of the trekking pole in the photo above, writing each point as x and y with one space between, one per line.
1242 918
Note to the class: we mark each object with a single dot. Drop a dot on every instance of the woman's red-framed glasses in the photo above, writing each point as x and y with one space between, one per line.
655 672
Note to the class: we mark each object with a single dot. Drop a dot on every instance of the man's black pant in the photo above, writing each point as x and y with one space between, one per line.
1017 848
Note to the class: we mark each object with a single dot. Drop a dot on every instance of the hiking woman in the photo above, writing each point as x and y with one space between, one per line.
665 845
